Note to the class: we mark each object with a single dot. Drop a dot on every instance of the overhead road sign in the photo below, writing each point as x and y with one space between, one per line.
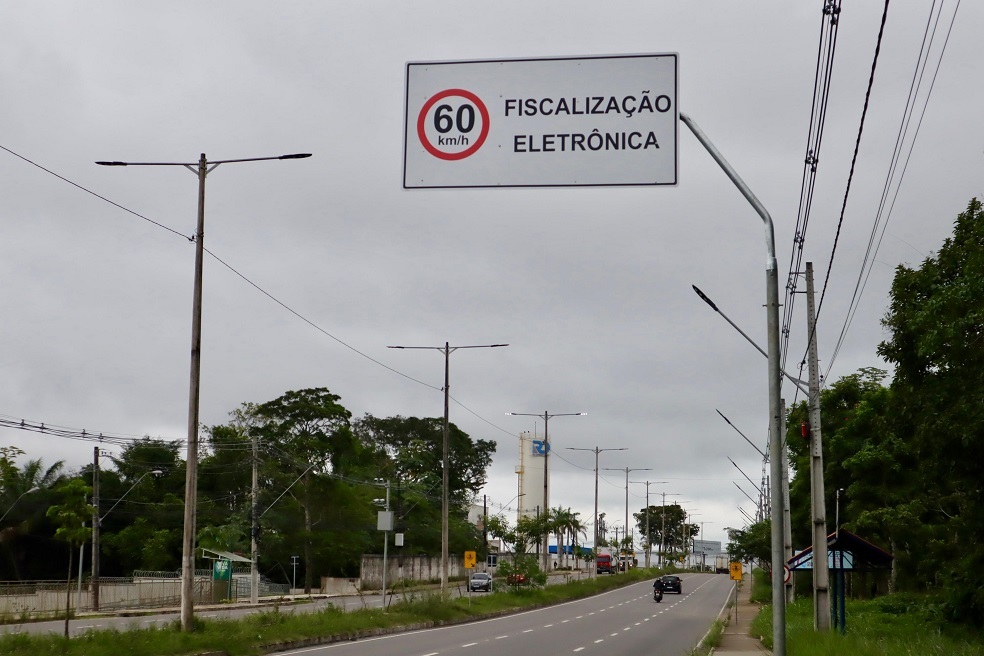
550 122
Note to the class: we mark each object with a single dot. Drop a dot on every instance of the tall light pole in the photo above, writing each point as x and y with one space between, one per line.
775 387
703 542
546 454
97 529
201 168
627 470
596 451
649 546
447 350
662 530
690 538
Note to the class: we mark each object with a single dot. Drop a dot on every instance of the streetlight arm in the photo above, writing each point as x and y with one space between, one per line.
33 489
795 381
285 491
742 434
156 472
770 239
215 161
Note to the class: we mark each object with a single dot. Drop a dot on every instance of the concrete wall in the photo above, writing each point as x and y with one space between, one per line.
414 568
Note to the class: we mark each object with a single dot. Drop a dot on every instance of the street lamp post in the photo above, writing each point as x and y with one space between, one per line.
201 168
627 470
447 349
703 543
775 387
546 454
648 541
690 535
662 530
97 532
596 451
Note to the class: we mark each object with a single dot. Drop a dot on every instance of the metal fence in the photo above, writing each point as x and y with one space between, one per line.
38 599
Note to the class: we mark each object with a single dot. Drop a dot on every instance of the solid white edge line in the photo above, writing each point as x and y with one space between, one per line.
727 598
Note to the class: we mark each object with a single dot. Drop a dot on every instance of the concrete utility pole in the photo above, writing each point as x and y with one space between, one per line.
649 546
254 571
821 570
95 529
447 350
596 451
546 459
787 535
627 470
201 168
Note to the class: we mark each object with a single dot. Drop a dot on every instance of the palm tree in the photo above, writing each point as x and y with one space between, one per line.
560 520
567 523
33 474
576 528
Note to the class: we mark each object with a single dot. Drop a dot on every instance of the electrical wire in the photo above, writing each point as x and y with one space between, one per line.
873 244
826 51
854 158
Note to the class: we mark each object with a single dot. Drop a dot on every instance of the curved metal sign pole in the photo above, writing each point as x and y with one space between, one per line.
775 436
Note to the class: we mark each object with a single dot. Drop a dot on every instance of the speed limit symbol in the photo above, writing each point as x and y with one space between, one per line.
453 124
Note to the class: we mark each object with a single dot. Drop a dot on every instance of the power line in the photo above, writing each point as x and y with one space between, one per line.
826 50
854 158
914 87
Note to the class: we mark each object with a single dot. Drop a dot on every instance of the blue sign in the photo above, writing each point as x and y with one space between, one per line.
538 447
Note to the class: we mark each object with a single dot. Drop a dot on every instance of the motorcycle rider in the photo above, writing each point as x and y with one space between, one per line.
658 589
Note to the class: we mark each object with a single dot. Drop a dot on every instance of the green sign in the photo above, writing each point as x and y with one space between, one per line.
222 570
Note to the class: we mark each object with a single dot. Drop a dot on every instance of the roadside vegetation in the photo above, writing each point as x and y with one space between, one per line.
893 625
900 624
902 454
273 629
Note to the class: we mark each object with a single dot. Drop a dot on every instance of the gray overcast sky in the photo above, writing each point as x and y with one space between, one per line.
591 287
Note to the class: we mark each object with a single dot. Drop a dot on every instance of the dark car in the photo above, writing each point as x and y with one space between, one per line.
672 583
480 581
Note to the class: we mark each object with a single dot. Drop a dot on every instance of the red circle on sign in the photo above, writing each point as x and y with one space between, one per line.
788 574
422 134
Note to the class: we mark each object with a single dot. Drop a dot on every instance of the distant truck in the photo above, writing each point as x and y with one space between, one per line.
722 564
603 563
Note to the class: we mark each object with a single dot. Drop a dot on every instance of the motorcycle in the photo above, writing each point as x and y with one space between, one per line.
658 595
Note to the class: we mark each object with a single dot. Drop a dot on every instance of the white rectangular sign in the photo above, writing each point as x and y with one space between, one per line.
554 122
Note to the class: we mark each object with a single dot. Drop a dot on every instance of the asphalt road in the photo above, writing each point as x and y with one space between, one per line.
625 621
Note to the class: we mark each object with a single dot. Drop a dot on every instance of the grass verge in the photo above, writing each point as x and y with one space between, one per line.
895 625
274 629
711 640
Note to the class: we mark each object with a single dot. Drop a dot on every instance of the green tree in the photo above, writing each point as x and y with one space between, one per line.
415 446
936 322
853 422
753 543
308 427
70 517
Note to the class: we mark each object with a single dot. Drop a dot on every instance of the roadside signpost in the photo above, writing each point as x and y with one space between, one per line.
735 569
547 122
